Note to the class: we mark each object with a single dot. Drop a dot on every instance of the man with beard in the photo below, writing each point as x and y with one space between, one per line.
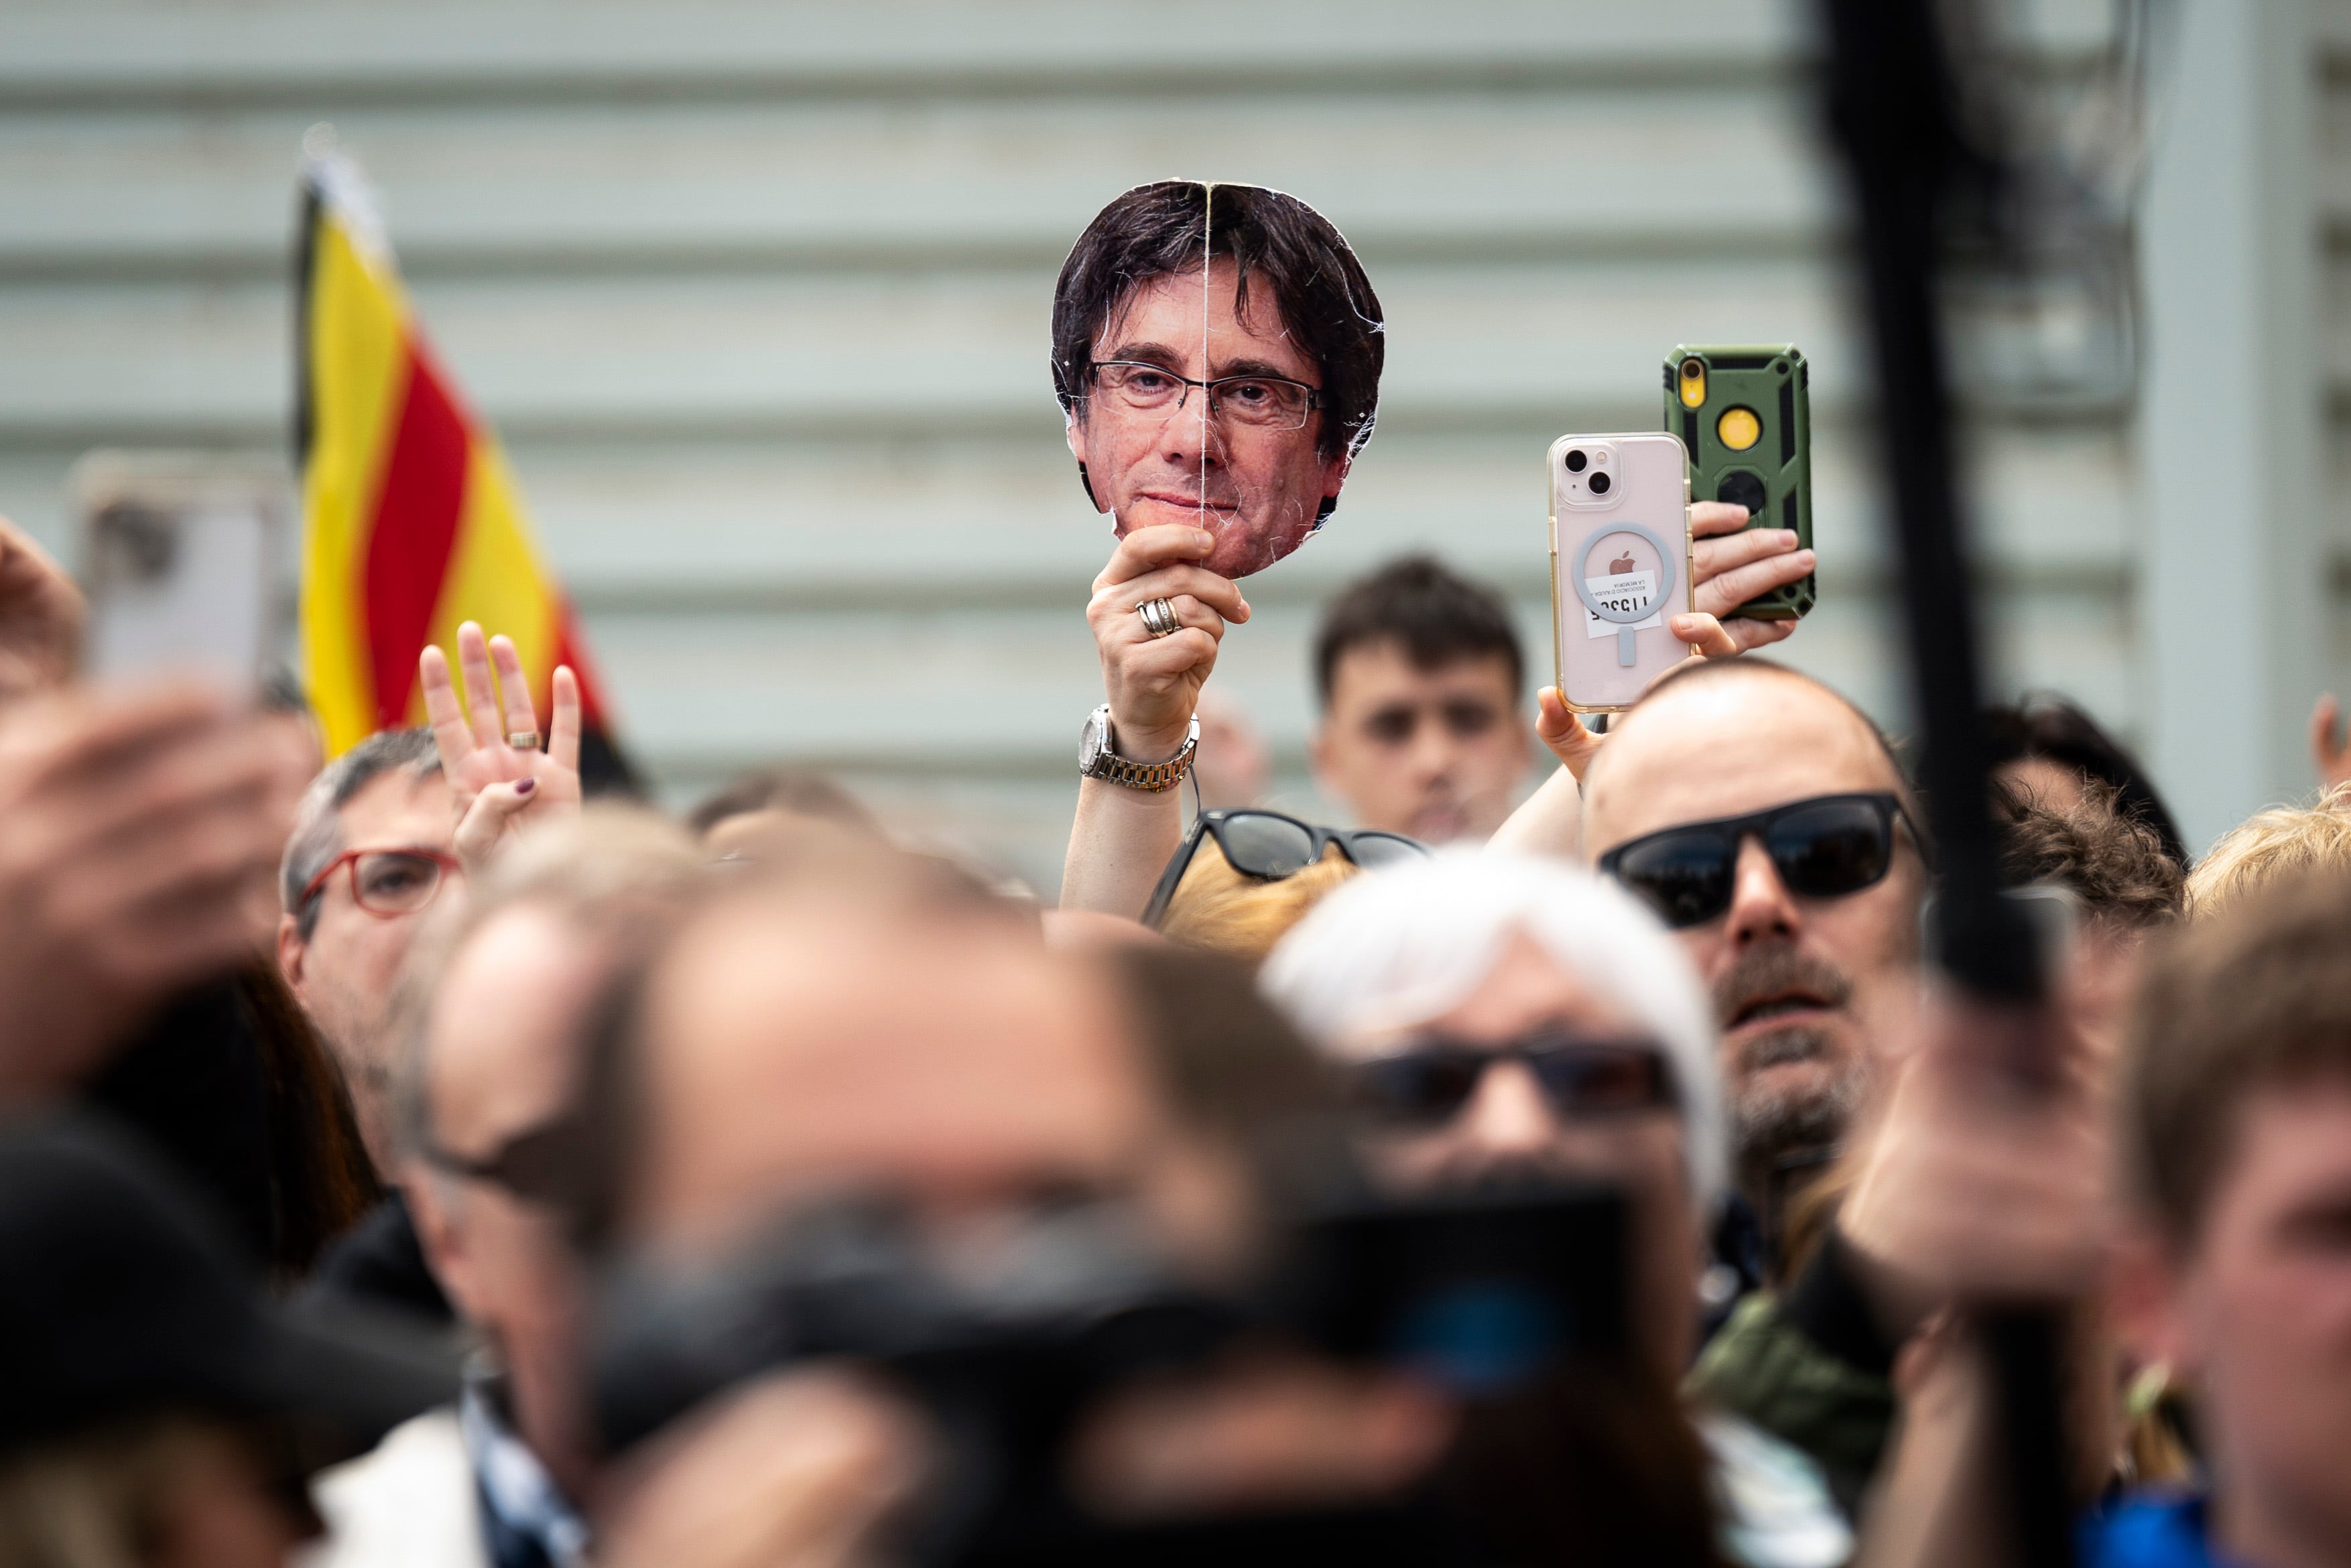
1765 819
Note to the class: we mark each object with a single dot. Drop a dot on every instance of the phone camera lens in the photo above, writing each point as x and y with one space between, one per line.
1599 484
1575 461
1690 370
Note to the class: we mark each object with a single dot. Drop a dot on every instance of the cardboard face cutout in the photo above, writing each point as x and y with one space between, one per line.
1216 349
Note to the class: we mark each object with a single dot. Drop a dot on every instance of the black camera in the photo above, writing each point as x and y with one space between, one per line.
1477 1292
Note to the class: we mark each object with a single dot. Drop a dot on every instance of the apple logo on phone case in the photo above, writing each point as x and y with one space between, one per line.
1630 594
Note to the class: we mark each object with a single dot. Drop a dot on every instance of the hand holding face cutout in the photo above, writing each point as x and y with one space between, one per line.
1154 682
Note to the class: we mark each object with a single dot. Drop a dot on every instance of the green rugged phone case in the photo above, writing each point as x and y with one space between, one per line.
1773 477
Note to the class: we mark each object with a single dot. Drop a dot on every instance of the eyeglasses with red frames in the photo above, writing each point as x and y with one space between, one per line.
388 883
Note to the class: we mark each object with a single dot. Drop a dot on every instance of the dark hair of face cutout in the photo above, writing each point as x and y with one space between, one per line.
1156 230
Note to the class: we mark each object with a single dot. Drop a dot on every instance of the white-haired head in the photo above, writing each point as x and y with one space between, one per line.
1410 941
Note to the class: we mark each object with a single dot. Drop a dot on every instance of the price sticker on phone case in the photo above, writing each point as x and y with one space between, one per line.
1622 593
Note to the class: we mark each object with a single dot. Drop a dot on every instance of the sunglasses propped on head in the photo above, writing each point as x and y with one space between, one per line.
1270 846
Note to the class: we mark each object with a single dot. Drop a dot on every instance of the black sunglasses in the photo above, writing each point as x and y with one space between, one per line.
1269 845
1426 1084
1824 847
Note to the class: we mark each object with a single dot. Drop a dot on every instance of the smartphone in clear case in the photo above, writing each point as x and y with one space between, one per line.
1620 563
176 556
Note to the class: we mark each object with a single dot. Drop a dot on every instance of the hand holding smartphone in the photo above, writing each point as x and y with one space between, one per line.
1620 548
1744 413
176 559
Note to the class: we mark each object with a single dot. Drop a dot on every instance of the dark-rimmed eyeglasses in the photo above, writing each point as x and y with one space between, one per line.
1826 846
1268 403
1270 846
537 1164
1583 1076
388 883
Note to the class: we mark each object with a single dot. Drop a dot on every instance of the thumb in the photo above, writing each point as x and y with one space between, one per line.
1563 730
488 819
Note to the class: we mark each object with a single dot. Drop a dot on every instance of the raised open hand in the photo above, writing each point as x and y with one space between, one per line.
500 776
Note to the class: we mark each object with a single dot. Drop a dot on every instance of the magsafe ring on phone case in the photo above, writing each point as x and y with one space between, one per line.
1627 617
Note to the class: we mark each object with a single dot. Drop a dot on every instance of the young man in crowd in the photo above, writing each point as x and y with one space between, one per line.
1421 679
1217 352
2236 1126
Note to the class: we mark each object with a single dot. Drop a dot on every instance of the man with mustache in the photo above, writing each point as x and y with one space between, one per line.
1766 820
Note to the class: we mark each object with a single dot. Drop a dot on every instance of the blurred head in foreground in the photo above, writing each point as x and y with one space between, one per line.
2237 1134
864 1034
758 806
1507 1017
493 1015
159 1409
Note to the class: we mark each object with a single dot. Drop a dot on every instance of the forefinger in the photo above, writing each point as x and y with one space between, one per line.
1146 549
1709 519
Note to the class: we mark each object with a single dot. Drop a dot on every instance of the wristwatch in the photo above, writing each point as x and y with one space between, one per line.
1098 757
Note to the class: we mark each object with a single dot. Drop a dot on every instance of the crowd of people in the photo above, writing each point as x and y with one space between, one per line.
407 1161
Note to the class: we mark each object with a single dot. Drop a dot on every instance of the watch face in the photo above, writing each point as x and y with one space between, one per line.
1090 743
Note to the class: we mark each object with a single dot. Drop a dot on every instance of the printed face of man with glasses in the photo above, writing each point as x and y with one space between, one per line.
1236 456
1216 349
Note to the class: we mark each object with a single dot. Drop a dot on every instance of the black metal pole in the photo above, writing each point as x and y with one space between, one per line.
1894 111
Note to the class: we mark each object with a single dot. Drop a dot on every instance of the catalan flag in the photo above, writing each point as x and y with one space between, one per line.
411 520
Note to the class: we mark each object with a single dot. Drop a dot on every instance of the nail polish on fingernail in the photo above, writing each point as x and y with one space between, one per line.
526 787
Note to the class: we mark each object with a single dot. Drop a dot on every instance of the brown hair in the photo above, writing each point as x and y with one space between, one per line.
1177 226
2112 861
782 790
1438 616
1218 910
2252 998
2269 847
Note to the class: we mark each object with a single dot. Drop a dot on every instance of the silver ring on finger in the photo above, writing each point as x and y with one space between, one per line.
1159 617
523 740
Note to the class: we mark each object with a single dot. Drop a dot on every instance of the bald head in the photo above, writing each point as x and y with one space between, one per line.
1723 739
794 1046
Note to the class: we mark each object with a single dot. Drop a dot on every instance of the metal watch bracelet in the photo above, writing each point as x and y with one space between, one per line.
1101 760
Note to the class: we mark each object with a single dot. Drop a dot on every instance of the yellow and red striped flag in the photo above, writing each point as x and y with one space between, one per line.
411 520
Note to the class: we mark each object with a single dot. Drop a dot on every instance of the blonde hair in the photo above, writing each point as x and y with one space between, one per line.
1219 910
2272 847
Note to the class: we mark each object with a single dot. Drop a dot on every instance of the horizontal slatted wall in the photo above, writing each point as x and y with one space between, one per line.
757 296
